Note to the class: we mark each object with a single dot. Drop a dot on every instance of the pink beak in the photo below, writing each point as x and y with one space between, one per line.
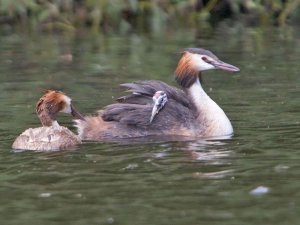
224 66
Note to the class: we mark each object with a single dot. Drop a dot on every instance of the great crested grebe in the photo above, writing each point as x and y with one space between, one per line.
189 112
51 136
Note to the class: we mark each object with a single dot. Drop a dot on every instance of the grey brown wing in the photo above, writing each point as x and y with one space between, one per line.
142 92
129 114
171 115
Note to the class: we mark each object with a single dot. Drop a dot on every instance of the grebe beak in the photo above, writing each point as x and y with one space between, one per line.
218 64
160 98
76 114
155 110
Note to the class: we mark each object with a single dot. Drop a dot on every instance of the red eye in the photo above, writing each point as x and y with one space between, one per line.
205 59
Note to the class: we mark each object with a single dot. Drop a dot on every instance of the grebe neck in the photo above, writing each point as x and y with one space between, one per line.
198 95
208 112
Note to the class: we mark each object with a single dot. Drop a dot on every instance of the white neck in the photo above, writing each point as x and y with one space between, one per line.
212 119
55 125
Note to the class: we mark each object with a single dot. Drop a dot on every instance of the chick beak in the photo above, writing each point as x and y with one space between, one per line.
155 110
76 114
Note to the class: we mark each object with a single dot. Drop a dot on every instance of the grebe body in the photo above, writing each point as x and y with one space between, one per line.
51 136
188 112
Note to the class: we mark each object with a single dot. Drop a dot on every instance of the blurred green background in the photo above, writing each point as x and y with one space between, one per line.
123 16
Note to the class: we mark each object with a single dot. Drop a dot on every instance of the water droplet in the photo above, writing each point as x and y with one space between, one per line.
160 155
260 190
45 195
281 168
78 195
110 220
131 166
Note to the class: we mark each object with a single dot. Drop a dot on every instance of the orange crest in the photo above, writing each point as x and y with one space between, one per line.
186 74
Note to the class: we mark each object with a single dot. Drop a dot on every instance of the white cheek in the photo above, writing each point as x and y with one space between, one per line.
67 108
200 64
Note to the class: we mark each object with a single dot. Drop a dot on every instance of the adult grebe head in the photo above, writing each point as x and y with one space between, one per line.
196 60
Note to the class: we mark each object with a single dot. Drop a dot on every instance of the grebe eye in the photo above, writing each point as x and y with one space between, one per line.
205 59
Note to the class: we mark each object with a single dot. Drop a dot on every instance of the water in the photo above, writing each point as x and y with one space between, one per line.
252 178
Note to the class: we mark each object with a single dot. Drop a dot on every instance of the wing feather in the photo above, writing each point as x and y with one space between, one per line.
149 87
135 109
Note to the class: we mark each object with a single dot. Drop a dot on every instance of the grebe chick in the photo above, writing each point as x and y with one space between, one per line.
51 136
159 99
189 112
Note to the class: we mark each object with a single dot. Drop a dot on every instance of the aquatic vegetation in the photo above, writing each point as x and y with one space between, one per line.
143 15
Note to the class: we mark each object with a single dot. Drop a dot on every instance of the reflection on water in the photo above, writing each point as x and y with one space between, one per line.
154 181
214 175
204 150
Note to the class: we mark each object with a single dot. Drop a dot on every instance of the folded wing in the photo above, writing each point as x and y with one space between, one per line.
135 109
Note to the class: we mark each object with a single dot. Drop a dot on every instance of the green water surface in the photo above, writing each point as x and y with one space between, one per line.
157 182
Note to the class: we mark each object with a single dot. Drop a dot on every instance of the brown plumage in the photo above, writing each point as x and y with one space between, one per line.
49 105
188 112
186 73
